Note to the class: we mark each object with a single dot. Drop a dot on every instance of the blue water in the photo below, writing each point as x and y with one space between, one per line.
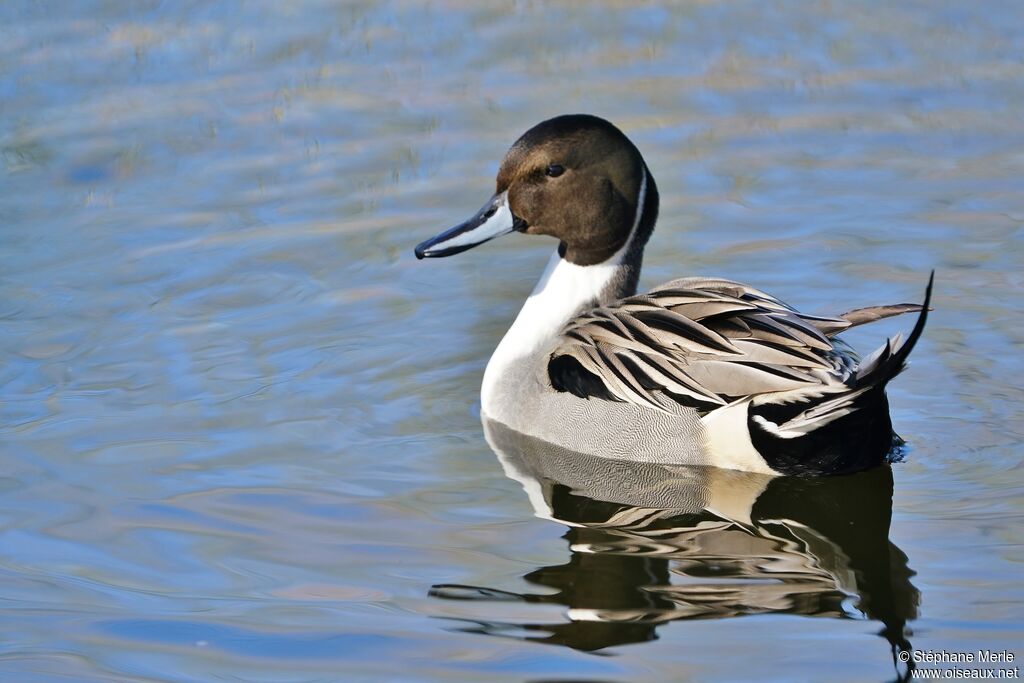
239 421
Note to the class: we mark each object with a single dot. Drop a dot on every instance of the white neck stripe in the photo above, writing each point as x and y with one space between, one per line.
563 289
641 197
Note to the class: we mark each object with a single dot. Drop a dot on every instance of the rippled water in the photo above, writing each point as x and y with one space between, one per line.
239 424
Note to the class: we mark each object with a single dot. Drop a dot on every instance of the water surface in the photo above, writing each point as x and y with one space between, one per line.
239 422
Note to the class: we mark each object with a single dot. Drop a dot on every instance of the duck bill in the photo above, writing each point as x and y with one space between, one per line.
493 220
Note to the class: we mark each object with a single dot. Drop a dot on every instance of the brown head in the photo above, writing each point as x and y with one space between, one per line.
574 177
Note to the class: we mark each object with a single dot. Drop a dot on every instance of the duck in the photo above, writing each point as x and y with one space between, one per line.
698 371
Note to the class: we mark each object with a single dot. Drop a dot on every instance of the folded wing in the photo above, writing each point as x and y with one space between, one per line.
700 343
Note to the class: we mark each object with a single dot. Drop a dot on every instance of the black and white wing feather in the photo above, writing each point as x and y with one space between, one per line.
700 343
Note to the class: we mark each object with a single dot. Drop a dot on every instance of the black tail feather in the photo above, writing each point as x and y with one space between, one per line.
892 361
852 430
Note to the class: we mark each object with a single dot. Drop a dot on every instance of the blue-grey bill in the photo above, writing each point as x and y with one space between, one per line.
493 220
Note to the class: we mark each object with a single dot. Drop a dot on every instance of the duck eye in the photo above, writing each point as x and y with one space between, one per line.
554 170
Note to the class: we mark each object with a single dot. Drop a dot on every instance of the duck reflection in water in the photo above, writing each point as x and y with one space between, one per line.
655 543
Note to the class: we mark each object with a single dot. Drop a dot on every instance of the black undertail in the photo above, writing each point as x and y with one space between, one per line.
859 435
851 443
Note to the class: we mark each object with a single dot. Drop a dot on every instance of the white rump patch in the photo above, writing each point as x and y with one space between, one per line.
727 440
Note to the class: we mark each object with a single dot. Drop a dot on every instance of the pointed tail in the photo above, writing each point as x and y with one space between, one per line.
889 360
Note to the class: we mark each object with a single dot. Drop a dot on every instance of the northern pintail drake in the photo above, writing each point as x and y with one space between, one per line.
697 371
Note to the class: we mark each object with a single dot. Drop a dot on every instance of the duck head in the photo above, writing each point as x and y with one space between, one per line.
577 178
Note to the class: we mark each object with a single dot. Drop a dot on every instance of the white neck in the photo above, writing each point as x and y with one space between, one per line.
563 291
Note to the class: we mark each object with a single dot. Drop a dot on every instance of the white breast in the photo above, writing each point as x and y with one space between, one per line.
563 290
